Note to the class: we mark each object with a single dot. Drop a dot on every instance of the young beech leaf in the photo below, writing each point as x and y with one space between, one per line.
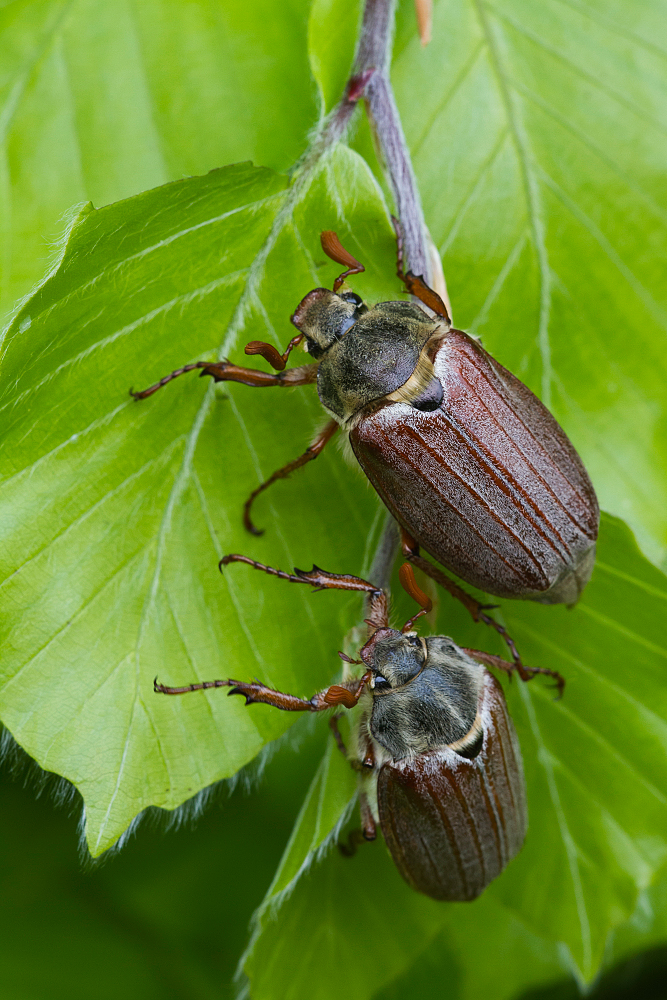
103 100
115 513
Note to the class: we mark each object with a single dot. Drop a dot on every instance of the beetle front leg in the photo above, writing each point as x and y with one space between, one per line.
223 371
320 579
311 452
254 692
476 610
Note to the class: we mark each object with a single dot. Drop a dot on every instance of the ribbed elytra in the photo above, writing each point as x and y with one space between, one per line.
488 483
452 824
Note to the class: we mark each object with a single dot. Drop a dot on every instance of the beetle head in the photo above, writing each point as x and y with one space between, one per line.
394 657
324 317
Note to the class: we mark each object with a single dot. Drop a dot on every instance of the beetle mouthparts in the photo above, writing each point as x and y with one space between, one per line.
367 652
300 314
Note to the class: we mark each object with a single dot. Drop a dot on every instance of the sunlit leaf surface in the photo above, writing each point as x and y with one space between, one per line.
116 512
99 101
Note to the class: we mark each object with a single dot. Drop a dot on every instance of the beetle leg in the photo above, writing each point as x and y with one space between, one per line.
333 726
253 692
316 577
415 283
354 839
378 616
476 610
368 827
399 246
223 371
311 452
469 602
368 761
338 694
525 673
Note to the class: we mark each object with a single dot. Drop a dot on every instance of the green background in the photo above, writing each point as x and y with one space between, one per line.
538 137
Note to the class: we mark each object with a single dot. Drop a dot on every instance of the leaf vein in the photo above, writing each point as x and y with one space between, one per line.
95 507
533 204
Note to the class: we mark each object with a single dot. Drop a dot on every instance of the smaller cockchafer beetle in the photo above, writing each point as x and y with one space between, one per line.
466 458
439 761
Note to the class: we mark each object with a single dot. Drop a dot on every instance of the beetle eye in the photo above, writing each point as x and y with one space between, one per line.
413 639
357 302
380 683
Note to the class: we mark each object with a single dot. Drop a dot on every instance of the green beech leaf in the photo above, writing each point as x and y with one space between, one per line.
538 138
334 908
327 805
415 946
514 959
116 512
99 101
596 772
333 28
539 135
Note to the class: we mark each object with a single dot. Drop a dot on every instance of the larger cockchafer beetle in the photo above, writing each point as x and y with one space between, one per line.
438 758
467 459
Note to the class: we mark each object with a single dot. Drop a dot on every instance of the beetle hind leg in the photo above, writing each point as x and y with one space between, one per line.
349 847
368 831
525 673
476 610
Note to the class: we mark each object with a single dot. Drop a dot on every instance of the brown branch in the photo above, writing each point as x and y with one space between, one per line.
370 81
374 51
372 60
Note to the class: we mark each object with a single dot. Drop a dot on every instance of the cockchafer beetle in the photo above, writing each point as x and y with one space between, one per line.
438 758
467 459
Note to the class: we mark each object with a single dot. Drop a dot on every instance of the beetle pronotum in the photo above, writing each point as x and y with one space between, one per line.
470 463
439 763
